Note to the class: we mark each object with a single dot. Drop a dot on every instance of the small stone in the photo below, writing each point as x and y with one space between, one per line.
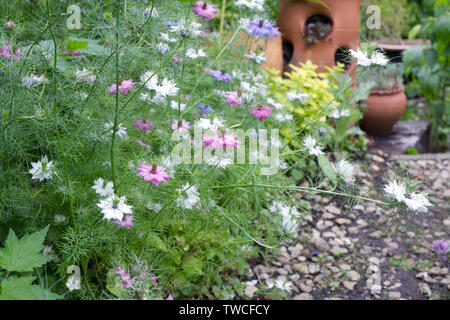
377 158
424 289
344 267
375 235
353 275
301 267
350 285
395 295
304 296
250 291
305 288
332 209
312 268
343 221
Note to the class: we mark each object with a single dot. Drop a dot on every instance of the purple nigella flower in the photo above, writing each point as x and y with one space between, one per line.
126 278
219 75
169 24
440 247
205 109
262 28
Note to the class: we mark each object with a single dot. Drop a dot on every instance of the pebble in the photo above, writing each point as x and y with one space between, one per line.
350 285
375 235
304 296
353 275
301 267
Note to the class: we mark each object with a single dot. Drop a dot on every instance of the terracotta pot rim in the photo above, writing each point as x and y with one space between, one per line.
387 92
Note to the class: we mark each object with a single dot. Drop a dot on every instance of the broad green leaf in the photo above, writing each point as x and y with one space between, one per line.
25 254
21 288
327 169
412 34
75 44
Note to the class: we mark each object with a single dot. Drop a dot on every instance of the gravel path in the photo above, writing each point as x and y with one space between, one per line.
359 251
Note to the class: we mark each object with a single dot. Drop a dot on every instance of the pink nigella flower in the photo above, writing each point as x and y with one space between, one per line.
73 53
144 125
181 126
126 85
204 9
261 112
126 222
10 24
126 278
220 141
177 59
169 297
233 98
142 143
153 173
112 89
7 53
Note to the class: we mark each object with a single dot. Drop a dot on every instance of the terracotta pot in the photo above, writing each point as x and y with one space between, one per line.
384 108
344 15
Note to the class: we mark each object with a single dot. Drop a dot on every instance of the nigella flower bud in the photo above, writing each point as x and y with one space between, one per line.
185 33
28 82
322 132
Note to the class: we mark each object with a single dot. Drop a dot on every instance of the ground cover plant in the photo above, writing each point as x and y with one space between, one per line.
120 144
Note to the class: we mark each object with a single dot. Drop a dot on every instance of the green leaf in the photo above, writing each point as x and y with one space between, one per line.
21 288
412 34
412 151
327 169
25 254
75 44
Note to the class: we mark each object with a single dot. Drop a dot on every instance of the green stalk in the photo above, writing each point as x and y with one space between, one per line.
116 111
55 114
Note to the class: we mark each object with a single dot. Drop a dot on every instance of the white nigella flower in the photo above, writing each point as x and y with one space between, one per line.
193 27
84 75
379 59
289 215
336 114
149 10
302 97
207 124
43 169
163 88
219 162
255 5
121 131
257 58
59 218
311 144
396 190
363 59
166 37
174 105
153 206
162 48
33 79
194 54
48 251
417 202
103 191
114 207
276 105
281 284
414 201
281 117
189 198
345 170
251 282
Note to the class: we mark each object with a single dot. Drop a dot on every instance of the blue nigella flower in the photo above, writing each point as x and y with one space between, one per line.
205 109
262 28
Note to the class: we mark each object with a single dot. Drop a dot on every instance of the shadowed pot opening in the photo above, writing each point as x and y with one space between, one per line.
288 52
317 28
341 56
